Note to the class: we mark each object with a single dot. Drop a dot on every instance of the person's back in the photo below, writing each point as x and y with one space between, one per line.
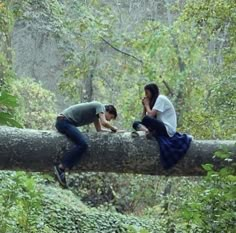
80 115
84 113
166 113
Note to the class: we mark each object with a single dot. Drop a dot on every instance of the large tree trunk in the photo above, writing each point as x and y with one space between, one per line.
35 150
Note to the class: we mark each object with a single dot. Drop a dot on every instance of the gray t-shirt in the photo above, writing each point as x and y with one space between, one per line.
166 114
84 113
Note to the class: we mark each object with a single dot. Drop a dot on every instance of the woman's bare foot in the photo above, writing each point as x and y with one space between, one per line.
139 133
134 134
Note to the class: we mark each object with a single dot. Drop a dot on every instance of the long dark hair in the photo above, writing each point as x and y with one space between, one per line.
153 88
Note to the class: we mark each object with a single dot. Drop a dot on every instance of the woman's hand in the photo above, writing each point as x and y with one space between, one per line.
145 101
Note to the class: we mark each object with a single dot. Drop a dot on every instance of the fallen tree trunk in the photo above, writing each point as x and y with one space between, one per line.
37 150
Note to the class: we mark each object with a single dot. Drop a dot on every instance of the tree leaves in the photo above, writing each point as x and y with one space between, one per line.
7 102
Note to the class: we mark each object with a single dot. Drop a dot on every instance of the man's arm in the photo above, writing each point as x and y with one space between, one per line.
103 122
98 127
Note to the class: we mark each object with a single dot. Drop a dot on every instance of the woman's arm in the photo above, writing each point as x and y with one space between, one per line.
144 112
150 112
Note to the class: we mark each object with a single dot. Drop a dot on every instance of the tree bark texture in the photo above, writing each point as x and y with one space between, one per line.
37 151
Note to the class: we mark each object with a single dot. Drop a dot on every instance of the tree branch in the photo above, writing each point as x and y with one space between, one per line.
120 51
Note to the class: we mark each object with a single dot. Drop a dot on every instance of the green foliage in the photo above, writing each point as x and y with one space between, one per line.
37 107
67 214
28 205
9 10
86 25
122 193
194 55
20 203
168 53
7 104
214 34
49 17
132 229
6 17
211 207
6 73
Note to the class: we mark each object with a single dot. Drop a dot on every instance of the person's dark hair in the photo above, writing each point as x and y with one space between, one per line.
111 109
153 88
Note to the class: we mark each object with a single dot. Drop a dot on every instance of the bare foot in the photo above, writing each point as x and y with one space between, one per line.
134 134
138 133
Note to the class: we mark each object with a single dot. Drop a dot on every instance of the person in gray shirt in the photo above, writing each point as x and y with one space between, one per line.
76 116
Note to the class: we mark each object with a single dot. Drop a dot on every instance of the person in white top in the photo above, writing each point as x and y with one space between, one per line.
159 116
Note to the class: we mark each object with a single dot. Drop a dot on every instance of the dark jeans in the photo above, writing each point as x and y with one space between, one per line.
155 126
66 127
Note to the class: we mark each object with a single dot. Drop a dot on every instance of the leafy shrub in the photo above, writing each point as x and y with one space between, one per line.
65 213
8 102
37 107
27 205
20 203
211 207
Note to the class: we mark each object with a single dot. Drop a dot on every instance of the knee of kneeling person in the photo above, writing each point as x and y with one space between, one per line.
146 118
136 125
84 145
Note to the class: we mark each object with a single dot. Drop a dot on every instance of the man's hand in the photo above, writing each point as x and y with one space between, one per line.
114 129
119 131
105 123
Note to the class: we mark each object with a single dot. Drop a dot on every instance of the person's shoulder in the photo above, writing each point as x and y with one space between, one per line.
95 102
92 102
162 97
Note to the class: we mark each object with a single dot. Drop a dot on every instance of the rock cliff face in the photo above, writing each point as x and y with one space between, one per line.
38 56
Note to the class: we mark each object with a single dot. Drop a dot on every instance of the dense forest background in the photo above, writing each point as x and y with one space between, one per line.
54 53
